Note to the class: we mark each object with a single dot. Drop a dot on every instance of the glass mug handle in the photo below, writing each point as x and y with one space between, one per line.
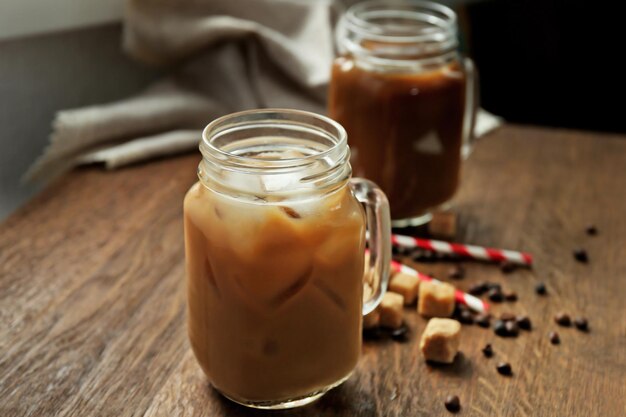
376 275
471 106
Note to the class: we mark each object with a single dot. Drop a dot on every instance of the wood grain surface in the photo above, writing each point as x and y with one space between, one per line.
92 307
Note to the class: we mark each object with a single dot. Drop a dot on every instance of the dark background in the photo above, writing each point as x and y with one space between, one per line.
546 62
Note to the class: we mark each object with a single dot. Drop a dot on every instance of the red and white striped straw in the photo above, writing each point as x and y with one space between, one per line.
469 251
469 300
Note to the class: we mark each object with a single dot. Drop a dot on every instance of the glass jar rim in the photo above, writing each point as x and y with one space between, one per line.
403 35
446 22
248 119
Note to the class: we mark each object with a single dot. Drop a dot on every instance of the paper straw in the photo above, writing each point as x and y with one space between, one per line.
469 251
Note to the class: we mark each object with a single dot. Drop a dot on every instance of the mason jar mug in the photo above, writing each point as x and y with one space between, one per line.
407 100
275 243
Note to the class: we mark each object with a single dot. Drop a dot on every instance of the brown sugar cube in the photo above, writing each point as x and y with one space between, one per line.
406 285
440 340
371 319
391 310
443 225
436 299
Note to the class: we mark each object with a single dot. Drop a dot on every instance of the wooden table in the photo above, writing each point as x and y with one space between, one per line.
93 308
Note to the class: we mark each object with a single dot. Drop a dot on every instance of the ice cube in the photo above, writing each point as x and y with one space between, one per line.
249 183
279 182
279 256
341 246
429 144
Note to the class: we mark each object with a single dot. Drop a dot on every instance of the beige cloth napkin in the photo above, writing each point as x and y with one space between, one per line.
229 55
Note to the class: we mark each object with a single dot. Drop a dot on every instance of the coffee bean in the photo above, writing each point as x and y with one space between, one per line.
541 289
581 324
512 328
507 317
405 251
401 334
510 296
397 257
482 320
488 351
495 295
562 319
504 368
499 328
523 322
425 256
373 333
456 272
461 307
506 328
554 338
581 256
507 267
458 310
478 289
591 230
466 317
419 251
452 403
493 286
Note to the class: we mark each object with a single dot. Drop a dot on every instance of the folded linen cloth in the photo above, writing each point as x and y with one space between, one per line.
229 56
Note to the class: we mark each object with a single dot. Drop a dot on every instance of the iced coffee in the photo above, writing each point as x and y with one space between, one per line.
275 292
274 241
403 94
405 131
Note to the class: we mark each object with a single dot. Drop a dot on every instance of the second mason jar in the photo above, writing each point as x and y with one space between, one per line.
406 99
